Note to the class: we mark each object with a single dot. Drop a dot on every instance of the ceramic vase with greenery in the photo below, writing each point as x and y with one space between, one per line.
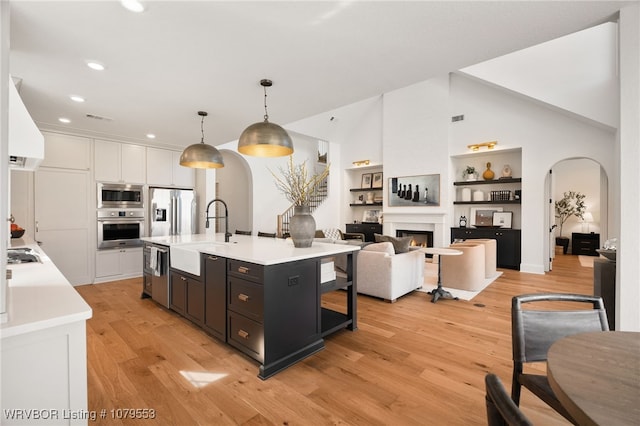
571 204
469 173
299 187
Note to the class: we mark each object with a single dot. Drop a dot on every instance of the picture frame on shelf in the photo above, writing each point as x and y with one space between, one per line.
427 194
482 217
366 180
371 216
376 180
502 219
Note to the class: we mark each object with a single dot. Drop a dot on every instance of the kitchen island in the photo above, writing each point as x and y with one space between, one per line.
44 350
260 295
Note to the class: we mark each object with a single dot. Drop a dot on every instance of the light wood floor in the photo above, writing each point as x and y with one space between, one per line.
409 363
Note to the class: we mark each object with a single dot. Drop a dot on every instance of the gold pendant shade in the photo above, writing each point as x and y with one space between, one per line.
265 139
200 155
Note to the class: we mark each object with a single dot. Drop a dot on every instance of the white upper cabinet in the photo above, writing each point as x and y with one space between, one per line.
119 162
163 168
66 152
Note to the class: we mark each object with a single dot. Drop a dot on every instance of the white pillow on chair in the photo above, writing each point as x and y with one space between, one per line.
333 233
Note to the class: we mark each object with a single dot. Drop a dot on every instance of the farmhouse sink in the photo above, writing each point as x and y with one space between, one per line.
186 257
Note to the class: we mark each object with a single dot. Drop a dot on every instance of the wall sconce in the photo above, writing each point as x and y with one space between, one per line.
477 146
361 163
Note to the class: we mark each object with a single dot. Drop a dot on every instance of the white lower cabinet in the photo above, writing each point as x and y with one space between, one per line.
44 376
118 264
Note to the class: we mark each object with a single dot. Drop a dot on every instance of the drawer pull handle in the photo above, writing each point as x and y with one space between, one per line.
212 257
243 334
183 278
243 269
243 297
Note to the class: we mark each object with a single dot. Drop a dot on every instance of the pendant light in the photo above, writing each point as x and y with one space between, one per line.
264 139
200 155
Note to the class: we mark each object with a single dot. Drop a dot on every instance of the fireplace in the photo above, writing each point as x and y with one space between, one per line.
420 238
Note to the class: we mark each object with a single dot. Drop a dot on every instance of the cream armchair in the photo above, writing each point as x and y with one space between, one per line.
490 253
466 271
384 274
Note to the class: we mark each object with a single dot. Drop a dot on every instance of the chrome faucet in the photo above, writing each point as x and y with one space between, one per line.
227 234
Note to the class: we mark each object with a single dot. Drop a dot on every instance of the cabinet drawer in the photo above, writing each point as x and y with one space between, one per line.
246 270
246 298
246 335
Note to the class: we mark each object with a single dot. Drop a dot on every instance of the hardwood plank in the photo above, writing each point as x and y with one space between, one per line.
412 362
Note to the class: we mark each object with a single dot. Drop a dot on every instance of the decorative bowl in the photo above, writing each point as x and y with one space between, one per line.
609 254
17 233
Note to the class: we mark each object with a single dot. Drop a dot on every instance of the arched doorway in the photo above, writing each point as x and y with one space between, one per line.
586 176
234 186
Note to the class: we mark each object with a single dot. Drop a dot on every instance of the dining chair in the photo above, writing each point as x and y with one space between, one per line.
533 331
501 410
266 234
238 232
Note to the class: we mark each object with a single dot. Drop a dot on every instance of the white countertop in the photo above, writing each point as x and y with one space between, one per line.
40 297
260 250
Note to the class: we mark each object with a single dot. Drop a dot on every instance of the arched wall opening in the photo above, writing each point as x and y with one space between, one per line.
588 177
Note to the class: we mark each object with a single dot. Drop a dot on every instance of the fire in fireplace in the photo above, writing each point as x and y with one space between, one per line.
420 238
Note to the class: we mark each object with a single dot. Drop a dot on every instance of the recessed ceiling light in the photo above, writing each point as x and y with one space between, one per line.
64 120
76 98
133 5
94 65
151 136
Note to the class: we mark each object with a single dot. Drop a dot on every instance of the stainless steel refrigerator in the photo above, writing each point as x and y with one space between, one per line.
172 211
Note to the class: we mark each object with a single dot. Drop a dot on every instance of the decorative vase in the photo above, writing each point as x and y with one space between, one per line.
506 171
488 174
466 194
302 227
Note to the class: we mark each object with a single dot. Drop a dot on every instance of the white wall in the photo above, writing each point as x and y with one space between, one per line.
548 72
4 149
545 136
628 203
414 142
268 202
355 133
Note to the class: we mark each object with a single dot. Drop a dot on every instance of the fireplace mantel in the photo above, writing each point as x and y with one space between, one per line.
434 222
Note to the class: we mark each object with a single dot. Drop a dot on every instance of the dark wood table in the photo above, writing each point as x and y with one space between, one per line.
596 377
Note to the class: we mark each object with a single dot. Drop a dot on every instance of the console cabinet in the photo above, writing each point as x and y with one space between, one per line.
585 244
368 229
507 241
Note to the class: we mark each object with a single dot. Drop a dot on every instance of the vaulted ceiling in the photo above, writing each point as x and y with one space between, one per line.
177 57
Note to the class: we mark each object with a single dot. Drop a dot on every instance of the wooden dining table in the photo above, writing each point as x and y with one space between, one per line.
596 377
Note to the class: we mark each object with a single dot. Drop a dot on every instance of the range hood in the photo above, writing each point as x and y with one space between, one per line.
26 143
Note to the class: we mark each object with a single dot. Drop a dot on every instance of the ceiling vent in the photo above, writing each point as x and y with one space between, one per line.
98 117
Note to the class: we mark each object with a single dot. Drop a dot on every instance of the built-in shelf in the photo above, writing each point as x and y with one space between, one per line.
487 182
364 204
489 202
365 189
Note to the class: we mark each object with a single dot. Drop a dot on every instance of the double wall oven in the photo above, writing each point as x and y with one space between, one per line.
120 215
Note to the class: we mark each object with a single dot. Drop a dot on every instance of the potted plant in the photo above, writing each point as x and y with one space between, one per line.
299 186
571 204
469 173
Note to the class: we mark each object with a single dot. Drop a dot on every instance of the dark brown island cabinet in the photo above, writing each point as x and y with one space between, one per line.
271 313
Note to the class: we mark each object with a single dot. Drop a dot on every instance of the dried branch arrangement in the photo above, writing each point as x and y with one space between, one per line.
296 184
